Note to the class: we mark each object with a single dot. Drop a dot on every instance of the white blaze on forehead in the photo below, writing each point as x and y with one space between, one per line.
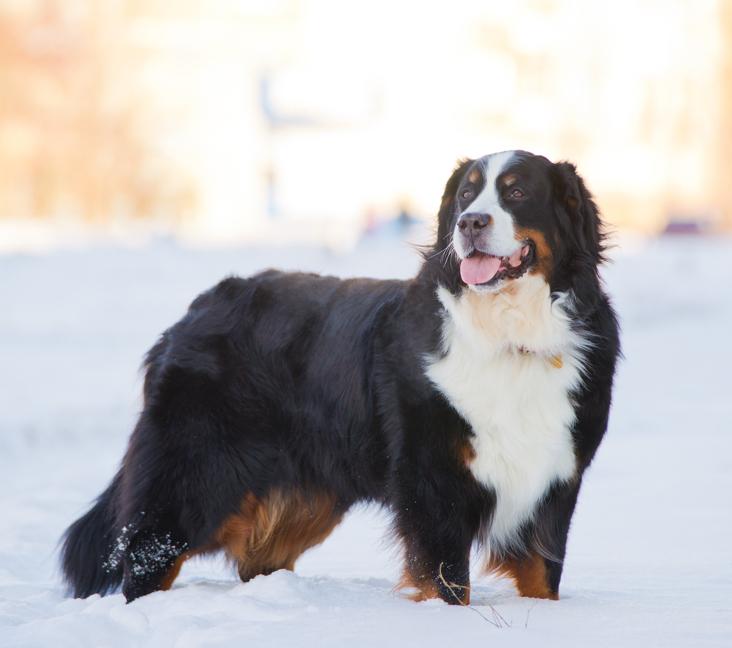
502 241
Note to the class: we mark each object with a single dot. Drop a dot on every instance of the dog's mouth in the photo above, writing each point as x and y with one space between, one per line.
483 269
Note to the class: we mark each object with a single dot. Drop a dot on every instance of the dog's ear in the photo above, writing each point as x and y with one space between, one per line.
577 211
447 206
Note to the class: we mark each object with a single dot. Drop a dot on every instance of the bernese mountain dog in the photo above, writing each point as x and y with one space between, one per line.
468 401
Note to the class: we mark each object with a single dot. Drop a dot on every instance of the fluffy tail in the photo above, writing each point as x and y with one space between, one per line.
87 545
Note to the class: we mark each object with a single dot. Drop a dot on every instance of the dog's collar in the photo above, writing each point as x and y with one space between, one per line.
554 360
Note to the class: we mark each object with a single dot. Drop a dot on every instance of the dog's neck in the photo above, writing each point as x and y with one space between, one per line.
523 318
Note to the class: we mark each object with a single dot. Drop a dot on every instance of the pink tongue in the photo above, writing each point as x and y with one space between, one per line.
479 268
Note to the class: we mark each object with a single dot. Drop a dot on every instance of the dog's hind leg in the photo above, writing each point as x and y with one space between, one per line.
173 499
272 532
152 561
191 461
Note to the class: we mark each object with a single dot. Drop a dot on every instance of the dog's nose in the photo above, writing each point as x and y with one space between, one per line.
473 222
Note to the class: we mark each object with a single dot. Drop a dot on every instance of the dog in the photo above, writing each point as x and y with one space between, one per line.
468 400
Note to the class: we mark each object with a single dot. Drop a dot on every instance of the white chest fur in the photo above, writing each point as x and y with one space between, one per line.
518 403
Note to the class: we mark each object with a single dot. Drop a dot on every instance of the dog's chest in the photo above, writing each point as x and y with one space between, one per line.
518 404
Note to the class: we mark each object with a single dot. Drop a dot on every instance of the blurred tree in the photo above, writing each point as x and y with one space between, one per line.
77 126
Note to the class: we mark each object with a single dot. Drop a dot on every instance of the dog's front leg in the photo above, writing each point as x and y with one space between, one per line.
436 569
437 526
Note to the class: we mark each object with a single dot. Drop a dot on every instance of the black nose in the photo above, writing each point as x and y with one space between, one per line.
472 222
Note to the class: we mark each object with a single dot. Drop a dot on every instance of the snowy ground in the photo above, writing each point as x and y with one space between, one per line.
650 552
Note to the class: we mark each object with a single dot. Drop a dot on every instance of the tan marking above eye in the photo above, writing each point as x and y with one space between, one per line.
509 179
474 176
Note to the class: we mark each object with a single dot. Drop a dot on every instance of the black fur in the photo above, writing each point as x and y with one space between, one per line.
87 546
302 383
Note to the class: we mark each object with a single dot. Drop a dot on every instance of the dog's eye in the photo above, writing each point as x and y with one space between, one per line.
516 194
467 194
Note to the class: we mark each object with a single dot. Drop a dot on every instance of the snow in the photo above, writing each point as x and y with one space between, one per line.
650 553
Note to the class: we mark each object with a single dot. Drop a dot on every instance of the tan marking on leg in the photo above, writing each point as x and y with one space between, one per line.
173 572
424 588
233 535
271 533
529 573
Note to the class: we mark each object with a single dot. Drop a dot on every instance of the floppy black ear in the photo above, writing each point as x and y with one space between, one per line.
577 210
447 206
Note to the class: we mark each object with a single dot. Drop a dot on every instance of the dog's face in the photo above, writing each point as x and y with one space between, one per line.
513 213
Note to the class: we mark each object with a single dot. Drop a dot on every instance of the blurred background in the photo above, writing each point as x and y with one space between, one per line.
148 148
231 121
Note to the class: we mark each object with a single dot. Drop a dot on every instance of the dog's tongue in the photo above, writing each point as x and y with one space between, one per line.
479 268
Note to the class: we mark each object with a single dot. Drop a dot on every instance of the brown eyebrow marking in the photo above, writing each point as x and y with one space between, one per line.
474 176
509 179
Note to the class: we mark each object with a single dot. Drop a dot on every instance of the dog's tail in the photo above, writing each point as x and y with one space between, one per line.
87 552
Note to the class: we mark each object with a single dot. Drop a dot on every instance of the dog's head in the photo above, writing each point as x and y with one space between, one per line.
512 214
